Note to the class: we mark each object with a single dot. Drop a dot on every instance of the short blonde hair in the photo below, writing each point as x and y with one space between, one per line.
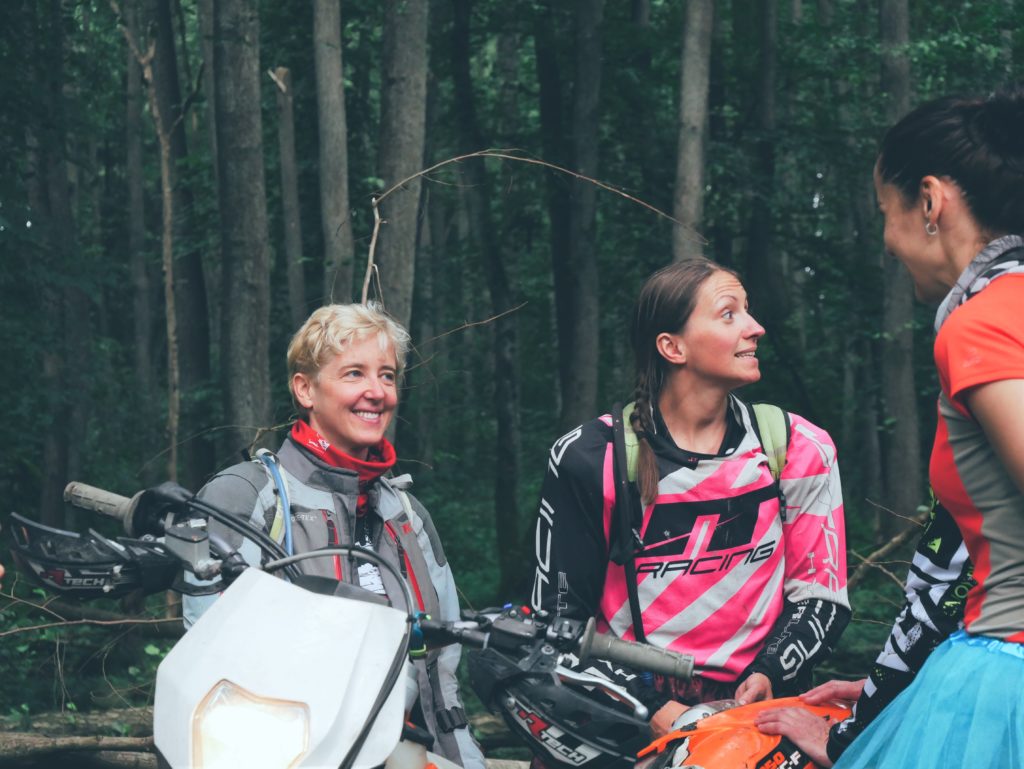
331 328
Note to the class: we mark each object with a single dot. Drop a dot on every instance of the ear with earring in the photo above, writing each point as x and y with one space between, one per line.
930 228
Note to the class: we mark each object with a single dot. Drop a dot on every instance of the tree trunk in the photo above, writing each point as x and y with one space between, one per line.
335 214
54 461
206 43
576 273
644 145
1006 42
402 130
290 198
549 81
429 306
722 232
762 280
66 361
764 277
902 464
485 237
694 78
423 329
142 298
189 284
242 195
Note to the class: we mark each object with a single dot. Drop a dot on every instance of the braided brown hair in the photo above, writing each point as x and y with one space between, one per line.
665 303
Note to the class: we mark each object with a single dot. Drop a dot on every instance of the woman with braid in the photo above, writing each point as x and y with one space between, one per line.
745 573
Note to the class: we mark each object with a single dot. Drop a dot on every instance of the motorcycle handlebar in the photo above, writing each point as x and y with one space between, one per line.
640 656
104 502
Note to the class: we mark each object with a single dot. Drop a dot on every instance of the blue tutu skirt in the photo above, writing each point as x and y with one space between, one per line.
965 709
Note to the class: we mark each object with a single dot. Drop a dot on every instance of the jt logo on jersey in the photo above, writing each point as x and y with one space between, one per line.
704 537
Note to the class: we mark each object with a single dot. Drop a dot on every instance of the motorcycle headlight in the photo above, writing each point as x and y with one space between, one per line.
233 727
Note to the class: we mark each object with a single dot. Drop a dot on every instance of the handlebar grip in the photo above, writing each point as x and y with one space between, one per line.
437 633
104 502
640 656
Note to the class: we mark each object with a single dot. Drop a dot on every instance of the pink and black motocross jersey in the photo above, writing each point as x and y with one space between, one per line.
721 573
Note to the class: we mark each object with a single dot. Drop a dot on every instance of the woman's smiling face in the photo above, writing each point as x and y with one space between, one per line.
905 239
352 398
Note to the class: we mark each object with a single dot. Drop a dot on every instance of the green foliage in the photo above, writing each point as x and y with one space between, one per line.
820 360
51 665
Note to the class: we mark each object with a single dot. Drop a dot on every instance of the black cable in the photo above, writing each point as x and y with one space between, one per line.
245 529
397 664
349 550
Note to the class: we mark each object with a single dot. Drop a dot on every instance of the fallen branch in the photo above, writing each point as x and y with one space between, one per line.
112 759
112 722
67 733
18 746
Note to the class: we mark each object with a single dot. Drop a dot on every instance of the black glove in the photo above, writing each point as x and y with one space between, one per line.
155 503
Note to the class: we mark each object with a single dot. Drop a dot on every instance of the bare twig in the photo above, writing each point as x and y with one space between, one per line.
99 622
260 432
38 606
277 80
472 323
503 154
186 106
917 519
898 541
377 221
881 568
210 431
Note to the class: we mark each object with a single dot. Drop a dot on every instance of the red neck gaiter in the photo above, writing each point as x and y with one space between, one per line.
379 460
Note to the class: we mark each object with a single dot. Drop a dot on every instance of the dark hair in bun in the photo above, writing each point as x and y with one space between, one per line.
977 142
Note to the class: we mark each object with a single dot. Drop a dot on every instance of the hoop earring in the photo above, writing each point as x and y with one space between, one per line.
931 228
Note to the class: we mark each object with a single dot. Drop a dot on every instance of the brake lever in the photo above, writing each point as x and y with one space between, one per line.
613 690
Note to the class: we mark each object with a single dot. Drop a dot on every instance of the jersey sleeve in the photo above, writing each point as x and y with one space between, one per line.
814 526
936 593
816 609
977 345
570 544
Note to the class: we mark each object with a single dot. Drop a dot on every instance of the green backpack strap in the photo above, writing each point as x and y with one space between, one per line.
631 441
773 430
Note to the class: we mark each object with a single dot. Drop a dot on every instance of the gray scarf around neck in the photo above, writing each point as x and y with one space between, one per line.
983 269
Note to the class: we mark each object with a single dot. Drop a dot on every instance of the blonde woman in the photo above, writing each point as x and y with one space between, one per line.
344 366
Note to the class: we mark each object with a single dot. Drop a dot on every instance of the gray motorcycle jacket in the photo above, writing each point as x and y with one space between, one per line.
323 512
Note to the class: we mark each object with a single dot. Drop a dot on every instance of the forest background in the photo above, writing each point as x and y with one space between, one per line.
183 181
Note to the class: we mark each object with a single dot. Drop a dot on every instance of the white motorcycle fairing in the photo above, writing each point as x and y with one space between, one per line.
278 641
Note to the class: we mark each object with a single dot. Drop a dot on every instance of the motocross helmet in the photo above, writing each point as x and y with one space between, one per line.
563 726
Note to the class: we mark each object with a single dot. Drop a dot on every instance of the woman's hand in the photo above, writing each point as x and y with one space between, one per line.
755 688
843 692
806 730
661 722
